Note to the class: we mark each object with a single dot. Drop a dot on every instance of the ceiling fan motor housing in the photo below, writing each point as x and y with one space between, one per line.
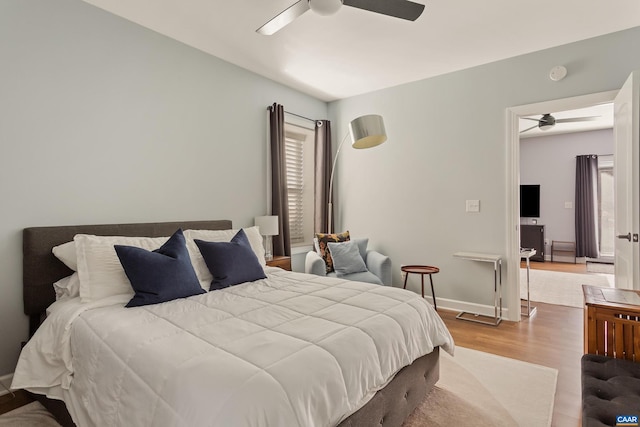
325 7
403 9
547 122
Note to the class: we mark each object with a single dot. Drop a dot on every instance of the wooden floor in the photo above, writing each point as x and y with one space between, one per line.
551 337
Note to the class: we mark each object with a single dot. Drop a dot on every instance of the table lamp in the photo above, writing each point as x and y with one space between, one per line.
268 226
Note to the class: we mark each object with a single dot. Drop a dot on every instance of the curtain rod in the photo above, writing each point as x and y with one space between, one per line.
302 117
594 155
297 115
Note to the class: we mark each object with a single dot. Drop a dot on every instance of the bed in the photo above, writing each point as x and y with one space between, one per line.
382 385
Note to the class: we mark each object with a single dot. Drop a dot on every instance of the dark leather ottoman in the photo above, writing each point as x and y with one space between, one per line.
610 388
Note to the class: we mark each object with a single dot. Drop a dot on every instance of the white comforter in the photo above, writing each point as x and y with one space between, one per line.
289 350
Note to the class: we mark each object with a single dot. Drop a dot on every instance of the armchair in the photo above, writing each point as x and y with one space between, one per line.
378 266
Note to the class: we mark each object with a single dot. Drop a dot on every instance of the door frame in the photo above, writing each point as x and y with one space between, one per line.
513 180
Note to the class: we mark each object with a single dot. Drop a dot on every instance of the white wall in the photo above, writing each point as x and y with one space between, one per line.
550 161
447 143
104 121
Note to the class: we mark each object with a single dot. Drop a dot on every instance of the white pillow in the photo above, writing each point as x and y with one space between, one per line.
101 274
67 287
66 253
203 273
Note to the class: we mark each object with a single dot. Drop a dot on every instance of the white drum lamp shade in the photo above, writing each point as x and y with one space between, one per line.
367 131
268 226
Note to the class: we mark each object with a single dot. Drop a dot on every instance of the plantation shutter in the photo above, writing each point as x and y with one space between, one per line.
295 184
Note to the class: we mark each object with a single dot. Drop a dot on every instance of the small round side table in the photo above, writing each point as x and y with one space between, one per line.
421 270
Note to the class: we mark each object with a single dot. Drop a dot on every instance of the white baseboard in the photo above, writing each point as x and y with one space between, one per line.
567 259
5 383
470 307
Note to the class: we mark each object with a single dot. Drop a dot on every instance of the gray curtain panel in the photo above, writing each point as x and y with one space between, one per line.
587 228
279 194
322 172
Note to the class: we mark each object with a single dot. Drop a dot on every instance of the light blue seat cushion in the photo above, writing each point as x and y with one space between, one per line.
363 276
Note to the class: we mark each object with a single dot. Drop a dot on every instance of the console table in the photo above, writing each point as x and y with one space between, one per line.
497 287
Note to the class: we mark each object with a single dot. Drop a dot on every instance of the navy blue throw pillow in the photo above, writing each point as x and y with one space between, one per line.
161 275
231 263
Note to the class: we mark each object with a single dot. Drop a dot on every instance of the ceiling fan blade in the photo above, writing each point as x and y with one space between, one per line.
577 119
284 18
529 118
402 9
532 127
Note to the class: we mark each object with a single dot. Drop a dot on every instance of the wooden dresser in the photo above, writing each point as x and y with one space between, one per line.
284 262
611 322
532 237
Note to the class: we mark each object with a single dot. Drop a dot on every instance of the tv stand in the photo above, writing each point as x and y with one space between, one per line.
532 237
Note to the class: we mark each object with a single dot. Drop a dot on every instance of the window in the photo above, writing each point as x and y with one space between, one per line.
299 162
606 205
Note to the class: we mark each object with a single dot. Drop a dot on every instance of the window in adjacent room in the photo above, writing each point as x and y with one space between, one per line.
606 205
299 160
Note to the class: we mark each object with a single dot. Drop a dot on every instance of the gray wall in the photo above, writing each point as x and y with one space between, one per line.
104 121
447 143
550 161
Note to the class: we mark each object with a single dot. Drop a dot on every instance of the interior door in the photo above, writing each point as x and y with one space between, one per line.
627 183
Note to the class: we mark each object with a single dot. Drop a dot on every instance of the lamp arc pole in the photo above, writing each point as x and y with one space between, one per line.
366 132
333 170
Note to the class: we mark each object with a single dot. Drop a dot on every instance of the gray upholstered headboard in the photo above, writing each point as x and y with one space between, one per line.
41 269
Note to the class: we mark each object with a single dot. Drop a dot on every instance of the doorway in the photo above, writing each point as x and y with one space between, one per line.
513 182
548 165
567 256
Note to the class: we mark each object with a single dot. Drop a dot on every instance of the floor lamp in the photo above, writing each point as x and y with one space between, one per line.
366 132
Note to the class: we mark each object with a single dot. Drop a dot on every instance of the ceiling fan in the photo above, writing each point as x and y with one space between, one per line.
547 121
403 9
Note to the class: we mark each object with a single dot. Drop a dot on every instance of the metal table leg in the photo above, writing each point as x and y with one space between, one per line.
497 299
530 310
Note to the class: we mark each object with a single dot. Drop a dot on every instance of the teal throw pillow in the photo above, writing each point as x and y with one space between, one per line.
346 258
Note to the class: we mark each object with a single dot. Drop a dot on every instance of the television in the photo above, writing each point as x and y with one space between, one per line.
529 201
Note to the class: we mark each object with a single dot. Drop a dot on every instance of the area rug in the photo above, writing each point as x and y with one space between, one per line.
480 389
600 267
555 287
475 389
30 415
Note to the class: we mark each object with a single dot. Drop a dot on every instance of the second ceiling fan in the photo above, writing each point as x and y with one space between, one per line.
403 9
547 121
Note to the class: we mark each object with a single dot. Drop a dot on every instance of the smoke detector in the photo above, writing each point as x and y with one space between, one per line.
558 73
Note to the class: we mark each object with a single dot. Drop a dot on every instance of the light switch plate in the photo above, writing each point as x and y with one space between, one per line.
473 205
568 205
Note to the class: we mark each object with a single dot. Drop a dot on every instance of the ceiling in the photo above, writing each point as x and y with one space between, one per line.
357 51
603 119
